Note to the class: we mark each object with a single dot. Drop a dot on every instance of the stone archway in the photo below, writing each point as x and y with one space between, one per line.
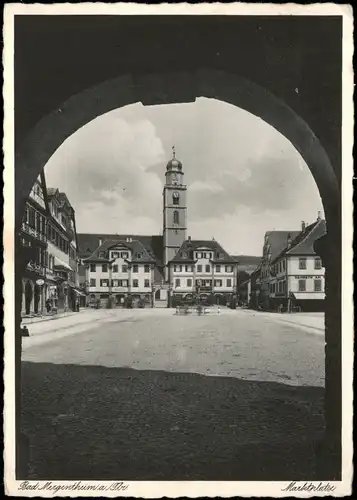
163 88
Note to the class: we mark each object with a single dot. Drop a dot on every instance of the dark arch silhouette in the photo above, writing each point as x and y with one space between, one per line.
161 88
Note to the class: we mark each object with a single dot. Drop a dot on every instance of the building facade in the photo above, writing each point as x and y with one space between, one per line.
294 278
120 273
203 269
33 240
48 236
62 261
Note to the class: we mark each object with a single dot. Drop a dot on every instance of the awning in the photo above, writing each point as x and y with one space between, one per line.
61 263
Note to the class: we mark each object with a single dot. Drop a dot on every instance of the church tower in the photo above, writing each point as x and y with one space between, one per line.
174 210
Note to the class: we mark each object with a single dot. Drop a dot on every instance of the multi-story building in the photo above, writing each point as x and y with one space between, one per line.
62 260
179 266
120 270
295 275
203 268
33 239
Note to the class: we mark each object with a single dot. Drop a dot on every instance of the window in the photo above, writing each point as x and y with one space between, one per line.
302 285
180 267
176 217
317 285
104 268
92 282
135 268
229 269
136 283
189 282
186 268
138 255
124 268
302 263
218 283
229 282
175 268
318 263
175 198
218 268
101 255
115 255
199 268
177 283
120 283
115 268
147 283
146 268
93 268
104 283
208 269
284 265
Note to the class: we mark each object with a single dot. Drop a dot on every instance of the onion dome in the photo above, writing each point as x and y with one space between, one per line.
174 163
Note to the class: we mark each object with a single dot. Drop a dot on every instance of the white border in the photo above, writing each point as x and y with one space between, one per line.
155 489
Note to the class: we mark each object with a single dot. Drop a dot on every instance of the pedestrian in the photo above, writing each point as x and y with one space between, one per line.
48 305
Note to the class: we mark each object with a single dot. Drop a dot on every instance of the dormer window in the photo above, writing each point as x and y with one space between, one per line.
101 255
138 255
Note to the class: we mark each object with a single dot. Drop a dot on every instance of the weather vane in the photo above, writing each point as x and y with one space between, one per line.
173 152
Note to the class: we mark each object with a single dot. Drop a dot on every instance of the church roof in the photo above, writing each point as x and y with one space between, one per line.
174 163
185 253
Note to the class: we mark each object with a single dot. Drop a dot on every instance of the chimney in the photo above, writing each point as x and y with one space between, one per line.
289 240
319 215
100 241
303 225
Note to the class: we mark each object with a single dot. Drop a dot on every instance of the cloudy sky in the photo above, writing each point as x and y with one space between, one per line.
243 177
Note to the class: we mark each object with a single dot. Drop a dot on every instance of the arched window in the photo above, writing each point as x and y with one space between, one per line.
176 217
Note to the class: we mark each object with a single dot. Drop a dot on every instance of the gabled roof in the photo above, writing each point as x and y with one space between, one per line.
185 253
52 191
63 199
88 243
134 246
278 241
303 244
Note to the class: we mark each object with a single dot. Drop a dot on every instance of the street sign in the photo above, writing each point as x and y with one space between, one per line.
40 282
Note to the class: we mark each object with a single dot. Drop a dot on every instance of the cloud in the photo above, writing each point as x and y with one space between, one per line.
242 175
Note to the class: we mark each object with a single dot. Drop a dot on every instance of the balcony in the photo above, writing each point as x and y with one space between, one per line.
36 268
31 231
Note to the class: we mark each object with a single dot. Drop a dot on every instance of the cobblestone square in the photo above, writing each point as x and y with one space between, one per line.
151 395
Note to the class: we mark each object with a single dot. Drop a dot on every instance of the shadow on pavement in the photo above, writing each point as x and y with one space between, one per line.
98 423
